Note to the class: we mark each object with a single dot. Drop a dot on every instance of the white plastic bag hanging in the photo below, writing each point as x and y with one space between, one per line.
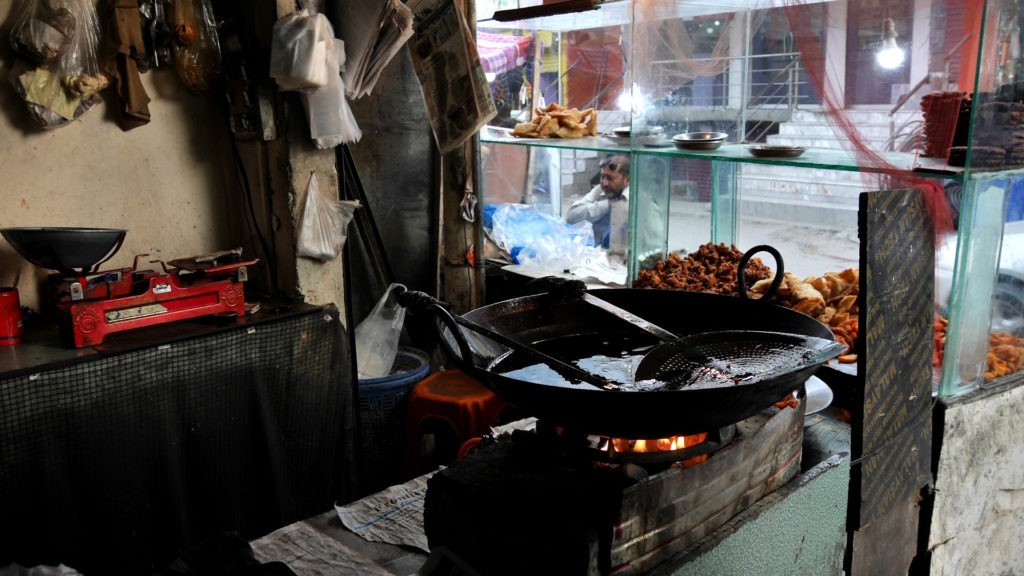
377 336
331 121
305 57
298 51
324 225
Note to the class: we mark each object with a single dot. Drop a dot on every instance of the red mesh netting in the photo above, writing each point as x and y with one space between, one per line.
941 39
941 109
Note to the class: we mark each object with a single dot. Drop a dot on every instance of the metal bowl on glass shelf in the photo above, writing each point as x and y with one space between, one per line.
699 140
776 150
642 135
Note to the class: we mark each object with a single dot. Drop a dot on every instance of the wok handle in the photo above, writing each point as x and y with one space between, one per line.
464 356
741 271
421 302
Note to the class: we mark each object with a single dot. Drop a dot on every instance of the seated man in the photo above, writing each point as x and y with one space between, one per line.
596 206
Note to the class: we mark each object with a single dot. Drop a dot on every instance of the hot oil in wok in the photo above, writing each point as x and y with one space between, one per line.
614 357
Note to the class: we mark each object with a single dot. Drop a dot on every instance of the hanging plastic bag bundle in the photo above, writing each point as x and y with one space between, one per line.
305 57
324 224
57 71
378 335
331 121
196 47
298 51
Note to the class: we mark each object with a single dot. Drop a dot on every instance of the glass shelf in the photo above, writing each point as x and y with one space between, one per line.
490 135
812 158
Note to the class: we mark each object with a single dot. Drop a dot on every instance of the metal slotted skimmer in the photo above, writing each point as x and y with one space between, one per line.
733 357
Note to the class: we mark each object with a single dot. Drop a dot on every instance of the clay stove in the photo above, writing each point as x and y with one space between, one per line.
547 501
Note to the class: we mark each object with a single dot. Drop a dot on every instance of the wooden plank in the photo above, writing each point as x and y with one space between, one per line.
891 411
887 546
462 280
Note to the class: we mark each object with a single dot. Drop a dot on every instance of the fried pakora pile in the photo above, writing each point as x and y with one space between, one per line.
712 268
1005 351
557 121
832 299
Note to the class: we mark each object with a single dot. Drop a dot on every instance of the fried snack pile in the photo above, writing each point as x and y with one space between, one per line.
557 121
832 299
1005 355
1005 351
712 268
939 340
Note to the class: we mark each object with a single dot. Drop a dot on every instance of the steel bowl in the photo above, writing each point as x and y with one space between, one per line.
66 250
699 140
645 135
776 151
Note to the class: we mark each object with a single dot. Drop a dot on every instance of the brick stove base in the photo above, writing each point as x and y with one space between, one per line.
516 506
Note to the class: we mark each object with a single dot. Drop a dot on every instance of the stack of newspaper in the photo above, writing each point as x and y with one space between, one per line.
373 31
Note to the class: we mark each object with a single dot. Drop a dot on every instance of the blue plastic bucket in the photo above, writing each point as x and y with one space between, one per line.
383 404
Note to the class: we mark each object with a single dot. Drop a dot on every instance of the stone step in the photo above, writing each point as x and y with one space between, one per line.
858 117
835 190
828 197
870 131
822 142
810 141
788 173
816 213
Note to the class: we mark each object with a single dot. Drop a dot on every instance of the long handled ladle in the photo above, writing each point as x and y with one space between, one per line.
569 289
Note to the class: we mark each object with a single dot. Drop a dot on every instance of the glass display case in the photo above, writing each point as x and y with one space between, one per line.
818 103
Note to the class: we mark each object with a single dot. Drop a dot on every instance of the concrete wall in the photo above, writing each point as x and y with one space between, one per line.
170 183
978 519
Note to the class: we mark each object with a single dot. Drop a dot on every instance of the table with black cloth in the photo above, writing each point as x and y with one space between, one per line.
116 459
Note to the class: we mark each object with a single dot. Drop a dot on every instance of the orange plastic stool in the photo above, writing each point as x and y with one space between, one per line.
452 407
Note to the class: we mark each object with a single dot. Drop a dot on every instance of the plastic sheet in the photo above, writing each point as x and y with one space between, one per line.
532 236
331 121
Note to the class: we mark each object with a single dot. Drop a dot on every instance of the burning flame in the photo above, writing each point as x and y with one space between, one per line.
670 444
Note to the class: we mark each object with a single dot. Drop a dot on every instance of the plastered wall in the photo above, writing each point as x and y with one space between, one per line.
170 183
978 520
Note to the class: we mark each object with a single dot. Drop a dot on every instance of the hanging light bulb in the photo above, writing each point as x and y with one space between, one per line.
632 101
890 55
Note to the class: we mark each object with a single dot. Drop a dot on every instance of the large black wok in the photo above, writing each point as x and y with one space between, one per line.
559 326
